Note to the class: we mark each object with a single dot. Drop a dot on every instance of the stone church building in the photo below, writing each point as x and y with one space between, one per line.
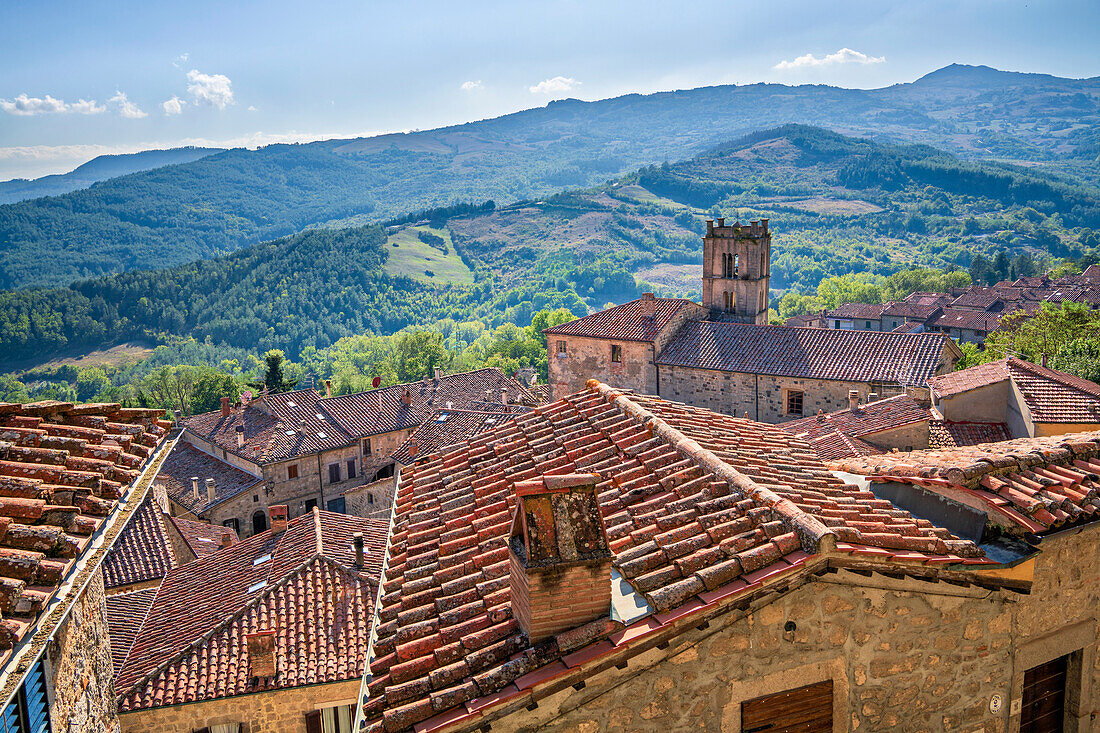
723 356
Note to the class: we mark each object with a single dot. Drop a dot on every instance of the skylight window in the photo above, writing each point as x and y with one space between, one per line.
288 432
442 418
257 586
322 436
320 416
291 404
261 559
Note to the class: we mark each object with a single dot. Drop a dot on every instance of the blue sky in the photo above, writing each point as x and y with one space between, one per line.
79 79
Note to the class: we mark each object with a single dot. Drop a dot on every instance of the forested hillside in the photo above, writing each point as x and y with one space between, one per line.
225 201
837 205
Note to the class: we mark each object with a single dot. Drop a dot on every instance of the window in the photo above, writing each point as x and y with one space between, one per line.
338 505
234 523
366 446
29 711
763 264
868 325
370 498
1044 699
255 498
333 473
292 472
616 354
311 504
794 402
805 708
259 522
330 720
836 324
561 348
736 264
351 468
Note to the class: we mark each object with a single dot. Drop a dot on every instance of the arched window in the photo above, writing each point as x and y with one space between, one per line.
736 265
259 522
726 301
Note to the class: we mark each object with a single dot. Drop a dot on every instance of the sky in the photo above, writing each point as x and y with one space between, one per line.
84 78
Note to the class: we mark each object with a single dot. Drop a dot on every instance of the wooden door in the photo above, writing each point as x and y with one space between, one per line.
806 709
1044 700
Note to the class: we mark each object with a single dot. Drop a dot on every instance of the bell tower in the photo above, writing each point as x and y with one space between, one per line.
736 270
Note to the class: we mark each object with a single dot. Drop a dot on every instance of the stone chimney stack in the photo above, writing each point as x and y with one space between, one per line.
504 395
853 400
240 436
438 373
559 559
406 398
226 540
649 305
278 518
226 406
261 653
302 427
195 488
328 388
211 490
414 449
360 553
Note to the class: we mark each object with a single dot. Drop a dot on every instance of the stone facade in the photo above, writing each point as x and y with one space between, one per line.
913 436
761 397
80 671
902 655
373 500
279 711
736 270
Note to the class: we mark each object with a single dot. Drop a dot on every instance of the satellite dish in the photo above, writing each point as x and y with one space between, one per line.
375 382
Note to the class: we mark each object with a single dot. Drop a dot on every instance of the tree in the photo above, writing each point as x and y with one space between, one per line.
1081 357
275 372
1046 334
210 386
545 319
851 288
91 382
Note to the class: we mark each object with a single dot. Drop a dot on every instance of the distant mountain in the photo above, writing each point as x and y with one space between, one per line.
837 205
225 201
98 169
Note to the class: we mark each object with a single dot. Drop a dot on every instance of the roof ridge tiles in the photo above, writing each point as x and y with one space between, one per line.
811 531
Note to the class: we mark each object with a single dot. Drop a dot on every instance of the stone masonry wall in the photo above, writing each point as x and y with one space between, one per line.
588 358
359 504
762 397
281 711
83 697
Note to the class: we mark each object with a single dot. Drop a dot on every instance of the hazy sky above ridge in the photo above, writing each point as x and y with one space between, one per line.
79 79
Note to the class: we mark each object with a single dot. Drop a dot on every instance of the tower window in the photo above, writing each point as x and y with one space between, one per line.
736 263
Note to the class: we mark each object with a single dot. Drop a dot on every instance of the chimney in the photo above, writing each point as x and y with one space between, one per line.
872 397
649 305
438 373
328 388
261 653
721 221
302 427
853 400
559 559
278 518
160 494
195 487
211 490
406 398
226 540
764 224
240 436
504 395
357 540
710 227
226 402
414 448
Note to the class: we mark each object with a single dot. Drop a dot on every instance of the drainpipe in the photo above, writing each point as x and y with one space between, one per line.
757 396
320 480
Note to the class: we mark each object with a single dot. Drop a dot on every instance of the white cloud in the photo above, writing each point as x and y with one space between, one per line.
180 60
25 106
469 86
173 106
126 108
557 85
843 56
252 108
215 90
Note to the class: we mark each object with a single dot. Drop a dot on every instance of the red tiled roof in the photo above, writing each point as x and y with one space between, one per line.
302 581
142 551
125 615
1029 485
639 320
952 434
979 298
444 428
858 311
62 469
809 353
203 538
186 461
541 392
273 427
973 377
697 506
382 410
912 311
846 432
971 320
926 298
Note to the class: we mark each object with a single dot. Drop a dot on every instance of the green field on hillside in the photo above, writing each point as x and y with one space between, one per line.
410 257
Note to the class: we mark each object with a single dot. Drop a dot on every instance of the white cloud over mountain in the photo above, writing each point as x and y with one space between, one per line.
26 106
173 106
843 56
557 85
215 90
126 108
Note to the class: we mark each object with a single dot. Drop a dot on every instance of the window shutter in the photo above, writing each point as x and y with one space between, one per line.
313 722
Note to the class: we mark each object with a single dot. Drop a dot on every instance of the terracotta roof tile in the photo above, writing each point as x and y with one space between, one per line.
142 551
186 461
639 320
383 411
965 380
301 582
855 356
444 428
967 319
696 506
858 311
62 469
867 419
125 615
952 434
203 538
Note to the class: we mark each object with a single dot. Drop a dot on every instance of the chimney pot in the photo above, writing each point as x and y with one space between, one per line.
357 540
261 653
853 400
504 395
240 436
211 490
278 517
228 539
414 448
226 406
328 388
195 487
558 540
406 397
438 373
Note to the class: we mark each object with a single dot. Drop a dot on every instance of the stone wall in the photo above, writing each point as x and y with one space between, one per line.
280 711
902 655
359 500
982 404
913 436
589 358
80 668
760 397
